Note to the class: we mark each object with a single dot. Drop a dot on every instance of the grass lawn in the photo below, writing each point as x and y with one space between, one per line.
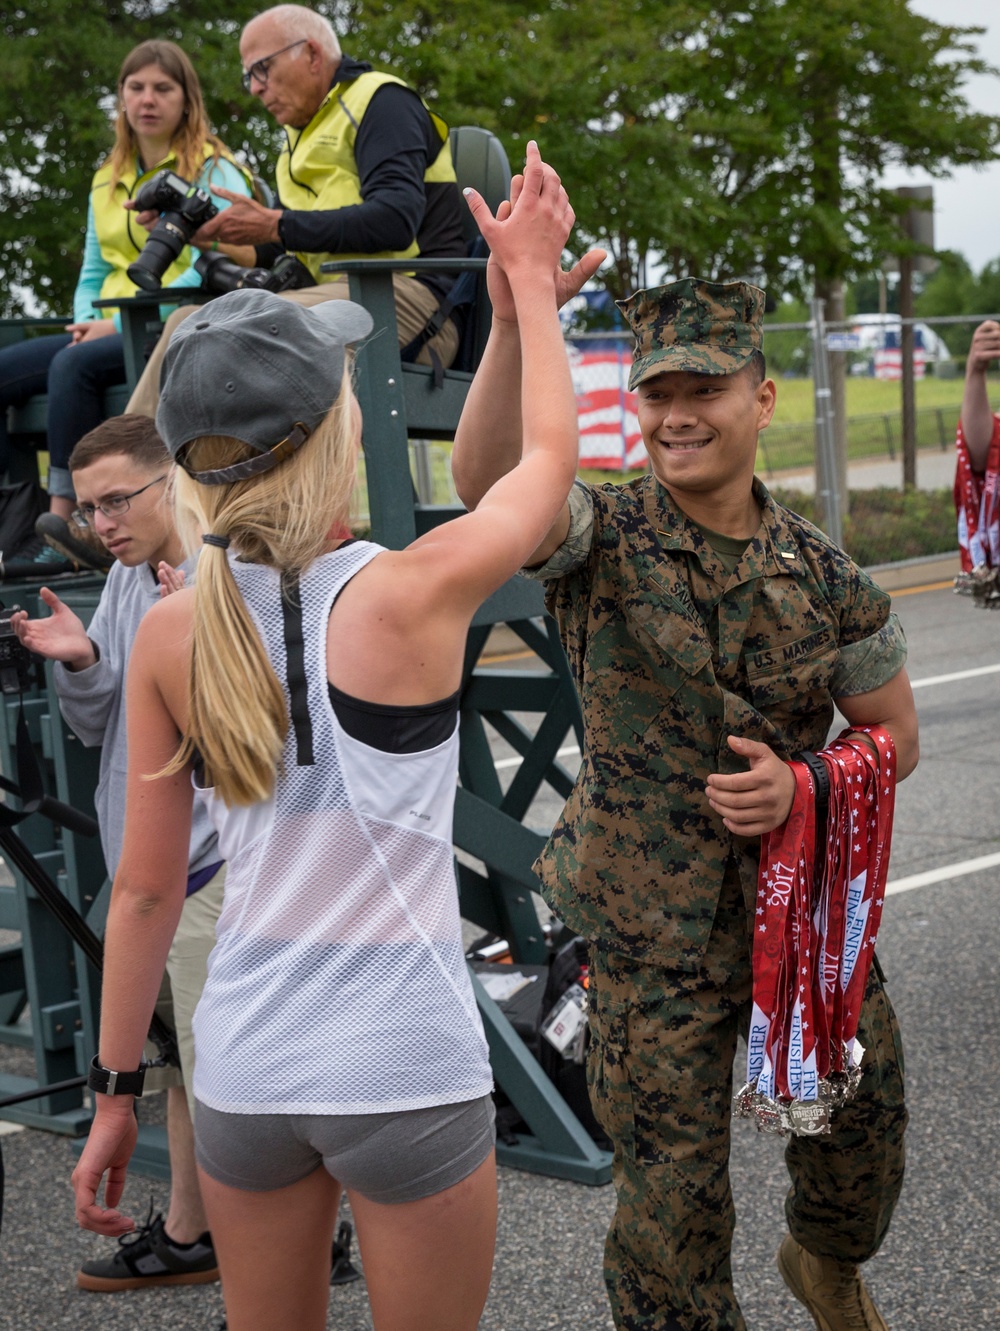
865 397
874 422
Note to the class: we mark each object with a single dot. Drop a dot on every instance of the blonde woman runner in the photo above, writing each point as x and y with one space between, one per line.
308 687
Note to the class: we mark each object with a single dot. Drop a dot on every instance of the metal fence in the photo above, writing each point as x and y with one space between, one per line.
791 446
871 516
880 510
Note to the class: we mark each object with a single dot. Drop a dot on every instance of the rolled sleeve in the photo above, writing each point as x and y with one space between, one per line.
575 550
86 698
866 665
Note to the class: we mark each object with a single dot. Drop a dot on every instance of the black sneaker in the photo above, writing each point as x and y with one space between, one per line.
34 561
342 1269
146 1258
84 553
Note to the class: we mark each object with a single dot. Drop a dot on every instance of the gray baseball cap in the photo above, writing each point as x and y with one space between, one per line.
256 368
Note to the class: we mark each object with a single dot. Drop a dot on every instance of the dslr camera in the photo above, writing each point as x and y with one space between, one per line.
16 662
183 208
220 274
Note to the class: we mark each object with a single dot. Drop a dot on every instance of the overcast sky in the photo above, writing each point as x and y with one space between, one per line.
967 205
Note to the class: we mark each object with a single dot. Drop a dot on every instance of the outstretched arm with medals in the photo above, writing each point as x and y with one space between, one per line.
819 902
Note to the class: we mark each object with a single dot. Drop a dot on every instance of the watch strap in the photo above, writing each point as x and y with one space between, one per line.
107 1082
821 778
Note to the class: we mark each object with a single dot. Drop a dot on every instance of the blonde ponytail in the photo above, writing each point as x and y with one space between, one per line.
238 715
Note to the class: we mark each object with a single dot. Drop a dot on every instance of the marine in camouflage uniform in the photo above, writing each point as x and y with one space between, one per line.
679 637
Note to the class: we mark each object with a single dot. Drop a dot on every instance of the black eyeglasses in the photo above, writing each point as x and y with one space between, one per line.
259 69
111 508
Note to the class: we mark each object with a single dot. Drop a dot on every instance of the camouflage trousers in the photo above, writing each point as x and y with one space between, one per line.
661 1072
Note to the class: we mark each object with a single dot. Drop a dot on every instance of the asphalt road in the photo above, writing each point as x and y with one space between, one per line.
940 947
935 471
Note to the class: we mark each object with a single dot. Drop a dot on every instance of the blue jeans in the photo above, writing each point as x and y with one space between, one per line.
74 376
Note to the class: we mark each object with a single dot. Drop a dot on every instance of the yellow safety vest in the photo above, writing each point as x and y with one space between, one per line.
118 233
317 171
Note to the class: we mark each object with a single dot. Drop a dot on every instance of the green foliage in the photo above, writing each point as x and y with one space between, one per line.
59 62
592 82
728 137
889 525
956 289
989 288
863 296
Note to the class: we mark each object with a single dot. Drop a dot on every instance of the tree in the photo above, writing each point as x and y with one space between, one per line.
591 81
822 99
588 81
788 353
723 137
59 62
951 290
988 290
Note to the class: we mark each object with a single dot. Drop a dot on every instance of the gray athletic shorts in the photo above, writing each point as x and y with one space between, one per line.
386 1157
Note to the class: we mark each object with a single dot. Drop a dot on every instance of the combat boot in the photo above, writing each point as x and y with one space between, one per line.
832 1291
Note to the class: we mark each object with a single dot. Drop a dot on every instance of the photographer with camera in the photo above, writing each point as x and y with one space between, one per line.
121 472
366 172
161 126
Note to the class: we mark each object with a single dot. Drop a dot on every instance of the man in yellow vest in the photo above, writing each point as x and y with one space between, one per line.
366 171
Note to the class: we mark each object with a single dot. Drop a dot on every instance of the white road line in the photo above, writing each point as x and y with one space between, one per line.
950 679
944 874
503 763
7 1128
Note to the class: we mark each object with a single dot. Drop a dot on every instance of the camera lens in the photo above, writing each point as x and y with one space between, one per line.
183 210
165 242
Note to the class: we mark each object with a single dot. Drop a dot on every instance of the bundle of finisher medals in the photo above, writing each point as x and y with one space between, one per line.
981 583
814 936
977 499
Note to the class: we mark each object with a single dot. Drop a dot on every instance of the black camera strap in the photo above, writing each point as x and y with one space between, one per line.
30 790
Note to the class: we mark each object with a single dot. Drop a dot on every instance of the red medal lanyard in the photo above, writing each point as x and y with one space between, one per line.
814 942
977 502
784 863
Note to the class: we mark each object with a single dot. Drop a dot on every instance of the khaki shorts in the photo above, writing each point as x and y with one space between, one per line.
183 981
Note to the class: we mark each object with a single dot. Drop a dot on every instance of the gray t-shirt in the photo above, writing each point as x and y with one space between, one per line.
93 704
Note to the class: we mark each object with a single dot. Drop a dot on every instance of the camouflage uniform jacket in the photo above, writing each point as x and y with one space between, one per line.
670 657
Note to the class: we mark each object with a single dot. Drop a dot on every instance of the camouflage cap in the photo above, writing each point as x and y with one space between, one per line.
701 327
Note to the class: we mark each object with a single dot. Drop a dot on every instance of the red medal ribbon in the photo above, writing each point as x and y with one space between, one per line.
784 864
977 504
814 940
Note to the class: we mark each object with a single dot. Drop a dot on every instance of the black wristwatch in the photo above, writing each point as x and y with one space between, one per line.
116 1083
820 776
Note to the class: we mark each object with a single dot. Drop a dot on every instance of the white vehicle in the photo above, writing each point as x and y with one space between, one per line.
879 346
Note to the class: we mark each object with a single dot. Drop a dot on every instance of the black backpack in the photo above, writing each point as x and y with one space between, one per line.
20 506
569 966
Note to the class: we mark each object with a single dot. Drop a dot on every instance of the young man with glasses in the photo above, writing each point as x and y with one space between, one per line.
120 476
366 171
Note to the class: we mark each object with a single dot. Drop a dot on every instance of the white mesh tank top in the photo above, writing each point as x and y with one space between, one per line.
338 983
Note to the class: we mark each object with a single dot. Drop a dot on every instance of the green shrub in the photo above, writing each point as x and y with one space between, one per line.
888 525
